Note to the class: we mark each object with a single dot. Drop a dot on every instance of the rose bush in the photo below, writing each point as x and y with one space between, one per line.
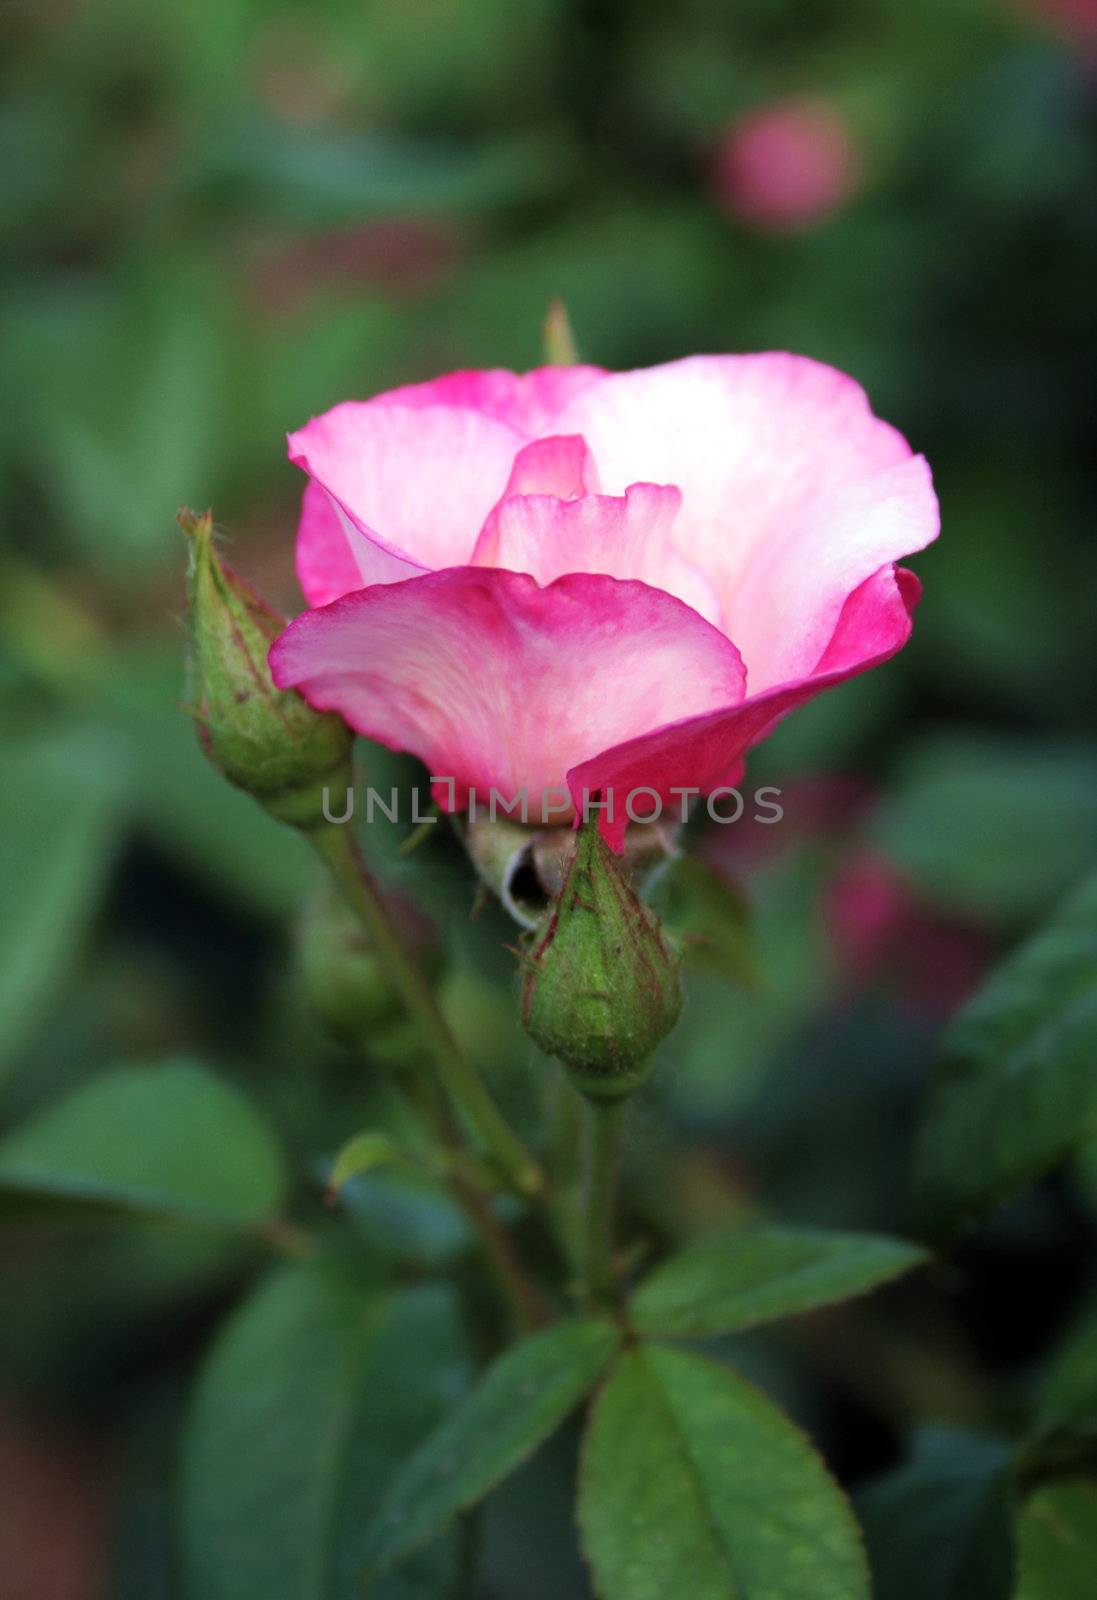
600 583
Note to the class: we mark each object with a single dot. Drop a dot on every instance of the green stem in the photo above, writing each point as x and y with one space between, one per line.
529 1307
605 1123
467 1092
564 1164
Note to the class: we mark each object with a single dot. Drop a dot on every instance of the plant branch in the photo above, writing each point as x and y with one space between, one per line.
531 1309
464 1087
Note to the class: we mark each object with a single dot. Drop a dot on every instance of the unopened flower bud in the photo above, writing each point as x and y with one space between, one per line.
266 740
343 980
601 985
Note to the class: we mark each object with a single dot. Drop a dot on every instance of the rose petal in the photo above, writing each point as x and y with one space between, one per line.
334 557
325 562
556 466
705 752
529 402
793 492
627 537
560 465
495 682
410 487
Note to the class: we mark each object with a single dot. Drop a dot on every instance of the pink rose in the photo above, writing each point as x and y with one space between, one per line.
786 165
600 583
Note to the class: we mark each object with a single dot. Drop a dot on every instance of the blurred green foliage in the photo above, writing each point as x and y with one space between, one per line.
220 216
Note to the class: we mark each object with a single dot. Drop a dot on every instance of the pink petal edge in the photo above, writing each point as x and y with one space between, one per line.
793 491
410 488
496 682
527 401
706 752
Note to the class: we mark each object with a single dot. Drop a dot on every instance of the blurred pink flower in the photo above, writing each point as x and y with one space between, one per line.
881 928
600 583
1077 18
787 165
884 932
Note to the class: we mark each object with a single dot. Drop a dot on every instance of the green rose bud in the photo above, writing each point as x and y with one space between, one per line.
601 985
266 740
343 980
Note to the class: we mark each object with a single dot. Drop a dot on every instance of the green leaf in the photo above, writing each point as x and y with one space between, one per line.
1069 1398
728 1040
59 823
739 1278
1016 1092
1057 1542
1083 1176
215 832
306 1407
328 178
712 918
170 1141
407 1215
362 1154
938 1526
694 1483
149 426
991 828
516 1405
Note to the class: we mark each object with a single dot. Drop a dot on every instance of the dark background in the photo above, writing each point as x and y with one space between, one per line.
221 216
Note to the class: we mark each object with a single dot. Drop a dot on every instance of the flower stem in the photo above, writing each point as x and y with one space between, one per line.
605 1123
530 1308
528 1305
466 1090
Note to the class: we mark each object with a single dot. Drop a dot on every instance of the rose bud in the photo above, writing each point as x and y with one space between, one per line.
601 985
786 166
266 740
342 977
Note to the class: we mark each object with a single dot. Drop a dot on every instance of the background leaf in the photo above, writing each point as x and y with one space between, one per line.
1016 1090
518 1402
1068 1398
711 917
307 1406
526 1528
60 814
745 1276
409 1216
991 827
213 830
938 1526
1057 1542
694 1481
170 1140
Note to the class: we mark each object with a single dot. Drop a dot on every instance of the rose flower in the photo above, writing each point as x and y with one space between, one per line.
592 584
